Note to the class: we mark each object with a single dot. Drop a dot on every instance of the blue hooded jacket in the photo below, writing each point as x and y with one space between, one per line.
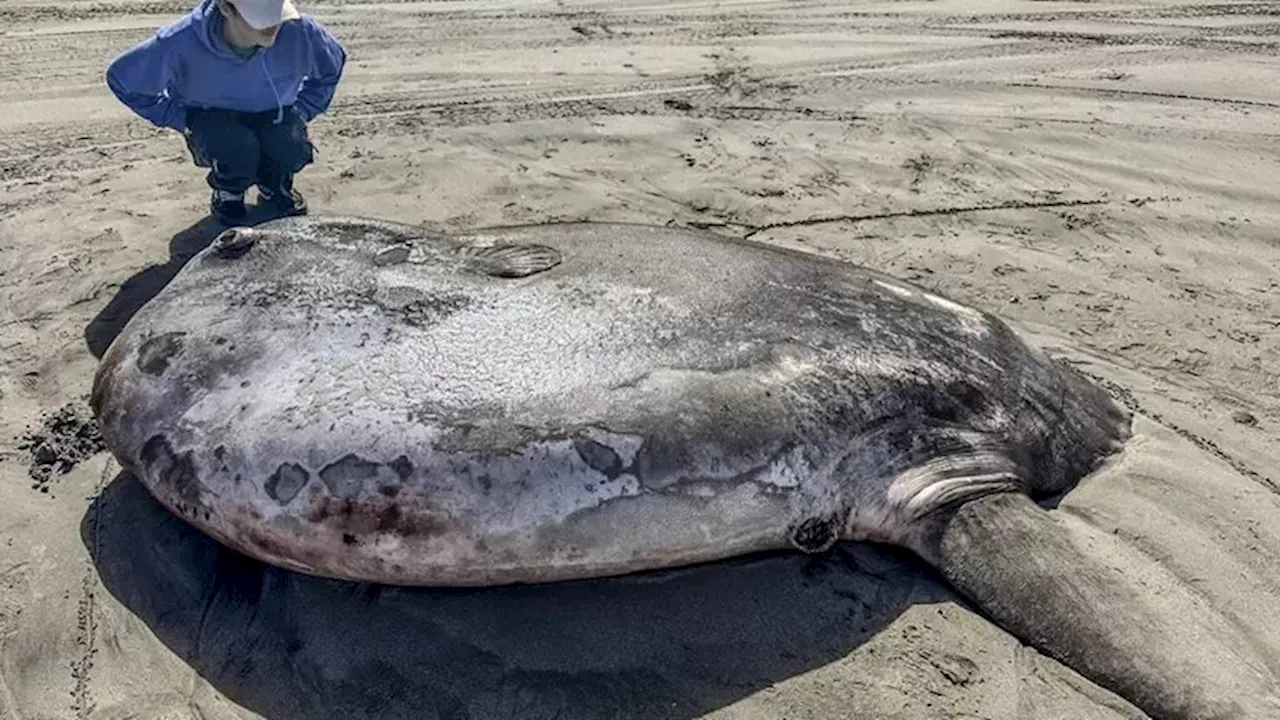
188 64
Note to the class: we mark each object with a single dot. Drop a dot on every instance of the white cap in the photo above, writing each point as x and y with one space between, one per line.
262 14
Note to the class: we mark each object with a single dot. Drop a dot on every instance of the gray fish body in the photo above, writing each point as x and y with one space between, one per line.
364 400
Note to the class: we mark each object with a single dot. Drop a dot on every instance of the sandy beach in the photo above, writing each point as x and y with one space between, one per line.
1104 175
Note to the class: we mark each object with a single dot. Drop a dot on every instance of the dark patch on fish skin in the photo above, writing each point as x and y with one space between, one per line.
432 309
323 508
269 545
178 472
392 255
388 518
401 467
421 414
413 307
956 402
285 483
493 438
389 490
660 463
207 365
259 535
817 534
599 457
574 296
361 517
347 476
155 353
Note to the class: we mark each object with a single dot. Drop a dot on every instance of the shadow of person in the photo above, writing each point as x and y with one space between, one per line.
146 284
661 644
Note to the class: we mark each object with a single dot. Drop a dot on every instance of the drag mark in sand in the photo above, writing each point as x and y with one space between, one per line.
1119 92
87 609
1010 205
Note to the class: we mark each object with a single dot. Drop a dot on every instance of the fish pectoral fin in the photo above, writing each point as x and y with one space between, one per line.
1029 572
508 260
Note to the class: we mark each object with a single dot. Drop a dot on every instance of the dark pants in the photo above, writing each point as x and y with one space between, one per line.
244 149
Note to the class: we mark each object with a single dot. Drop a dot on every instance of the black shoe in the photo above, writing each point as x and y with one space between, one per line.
227 207
280 204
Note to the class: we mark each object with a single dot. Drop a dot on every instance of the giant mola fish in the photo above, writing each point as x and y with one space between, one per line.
366 400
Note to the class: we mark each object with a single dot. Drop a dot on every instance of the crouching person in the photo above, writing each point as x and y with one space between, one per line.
240 79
